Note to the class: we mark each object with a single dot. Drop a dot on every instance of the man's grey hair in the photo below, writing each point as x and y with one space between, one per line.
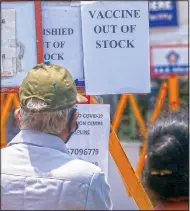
51 121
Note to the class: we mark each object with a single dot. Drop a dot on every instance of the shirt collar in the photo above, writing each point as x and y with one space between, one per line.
38 138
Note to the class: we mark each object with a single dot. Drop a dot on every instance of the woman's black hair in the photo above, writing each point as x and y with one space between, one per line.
167 167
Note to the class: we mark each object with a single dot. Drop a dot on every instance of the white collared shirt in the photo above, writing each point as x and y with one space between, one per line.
37 173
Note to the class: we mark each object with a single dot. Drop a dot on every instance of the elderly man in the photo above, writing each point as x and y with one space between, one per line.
37 173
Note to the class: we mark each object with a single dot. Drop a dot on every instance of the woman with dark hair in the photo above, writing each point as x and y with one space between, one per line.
166 172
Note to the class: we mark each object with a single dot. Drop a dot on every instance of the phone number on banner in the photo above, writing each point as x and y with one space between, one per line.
83 151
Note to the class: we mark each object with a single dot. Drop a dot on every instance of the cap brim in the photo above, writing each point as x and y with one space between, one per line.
81 99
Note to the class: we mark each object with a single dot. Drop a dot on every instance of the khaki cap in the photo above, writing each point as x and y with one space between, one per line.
51 83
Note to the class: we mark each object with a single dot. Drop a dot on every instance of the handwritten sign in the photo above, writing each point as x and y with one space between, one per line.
90 141
62 38
169 60
116 47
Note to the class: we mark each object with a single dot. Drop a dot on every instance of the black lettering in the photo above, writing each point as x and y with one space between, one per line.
123 14
137 15
92 15
81 123
130 13
58 31
104 29
129 44
54 31
70 31
62 43
54 56
125 28
98 45
113 28
60 56
56 44
114 14
113 44
132 28
86 132
106 14
46 44
64 31
97 29
46 56
128 28
106 43
46 31
100 15
82 132
120 45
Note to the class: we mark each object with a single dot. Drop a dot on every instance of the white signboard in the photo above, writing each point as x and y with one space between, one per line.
168 60
116 47
8 48
18 42
90 141
63 38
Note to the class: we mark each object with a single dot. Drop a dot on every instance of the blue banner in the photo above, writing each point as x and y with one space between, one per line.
163 13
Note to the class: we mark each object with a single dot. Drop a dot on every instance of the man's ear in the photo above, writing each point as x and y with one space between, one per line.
73 124
17 117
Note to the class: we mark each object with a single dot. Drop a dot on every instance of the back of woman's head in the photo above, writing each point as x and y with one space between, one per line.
167 168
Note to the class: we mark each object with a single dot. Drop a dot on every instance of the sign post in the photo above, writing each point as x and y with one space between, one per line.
163 13
167 60
62 38
90 141
116 47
